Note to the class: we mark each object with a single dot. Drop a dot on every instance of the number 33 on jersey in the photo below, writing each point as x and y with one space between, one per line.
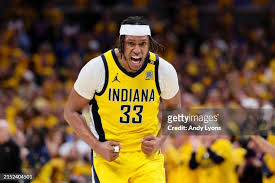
126 109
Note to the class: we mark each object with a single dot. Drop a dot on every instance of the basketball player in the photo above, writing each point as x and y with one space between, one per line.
123 87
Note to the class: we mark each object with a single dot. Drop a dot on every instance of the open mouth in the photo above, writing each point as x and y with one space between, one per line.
135 59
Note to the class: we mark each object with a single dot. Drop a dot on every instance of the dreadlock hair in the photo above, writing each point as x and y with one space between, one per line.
138 20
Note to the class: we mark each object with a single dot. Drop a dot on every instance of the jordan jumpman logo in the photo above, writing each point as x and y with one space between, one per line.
116 79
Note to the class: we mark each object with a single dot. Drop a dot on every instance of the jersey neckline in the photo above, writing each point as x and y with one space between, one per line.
131 74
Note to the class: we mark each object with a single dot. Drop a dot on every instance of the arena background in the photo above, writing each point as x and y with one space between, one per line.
223 51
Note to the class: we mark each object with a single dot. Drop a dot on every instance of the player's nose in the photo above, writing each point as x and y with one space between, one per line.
137 49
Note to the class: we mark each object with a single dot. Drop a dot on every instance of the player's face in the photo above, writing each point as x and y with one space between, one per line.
135 51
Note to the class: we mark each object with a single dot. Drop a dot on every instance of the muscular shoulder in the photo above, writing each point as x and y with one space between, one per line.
168 79
94 64
91 78
165 68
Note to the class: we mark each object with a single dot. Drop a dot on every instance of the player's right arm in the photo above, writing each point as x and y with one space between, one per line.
72 114
88 82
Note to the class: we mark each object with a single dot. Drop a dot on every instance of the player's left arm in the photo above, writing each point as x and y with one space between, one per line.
171 99
151 143
173 103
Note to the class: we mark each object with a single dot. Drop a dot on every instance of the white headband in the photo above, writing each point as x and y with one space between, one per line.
135 30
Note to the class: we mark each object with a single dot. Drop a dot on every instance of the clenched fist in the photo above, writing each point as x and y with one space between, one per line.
150 144
106 150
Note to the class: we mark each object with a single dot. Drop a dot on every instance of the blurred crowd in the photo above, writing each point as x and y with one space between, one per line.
232 65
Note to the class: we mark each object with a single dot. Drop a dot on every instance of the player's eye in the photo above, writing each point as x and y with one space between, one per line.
132 44
142 44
